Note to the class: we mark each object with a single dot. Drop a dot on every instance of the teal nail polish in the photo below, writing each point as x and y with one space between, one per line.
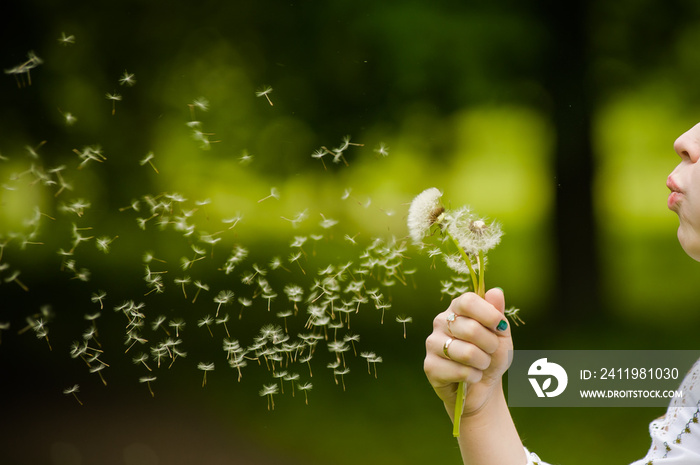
502 326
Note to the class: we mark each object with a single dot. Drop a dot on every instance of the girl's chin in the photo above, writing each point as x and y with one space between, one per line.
689 242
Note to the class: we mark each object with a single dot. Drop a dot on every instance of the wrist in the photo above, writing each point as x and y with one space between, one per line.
493 405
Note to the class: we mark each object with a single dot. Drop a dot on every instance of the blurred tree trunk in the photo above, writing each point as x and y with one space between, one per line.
566 76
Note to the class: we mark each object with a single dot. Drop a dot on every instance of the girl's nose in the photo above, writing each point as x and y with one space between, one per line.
688 144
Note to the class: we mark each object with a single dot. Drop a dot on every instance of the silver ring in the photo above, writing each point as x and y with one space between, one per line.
451 317
446 347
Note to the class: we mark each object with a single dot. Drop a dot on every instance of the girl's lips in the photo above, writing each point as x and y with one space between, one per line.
675 195
673 199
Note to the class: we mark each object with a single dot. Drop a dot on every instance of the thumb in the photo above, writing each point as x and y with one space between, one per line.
496 298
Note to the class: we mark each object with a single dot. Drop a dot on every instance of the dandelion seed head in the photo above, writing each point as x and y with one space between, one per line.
424 212
473 234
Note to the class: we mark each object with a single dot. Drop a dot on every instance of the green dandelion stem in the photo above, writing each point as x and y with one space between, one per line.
467 261
482 285
479 286
459 407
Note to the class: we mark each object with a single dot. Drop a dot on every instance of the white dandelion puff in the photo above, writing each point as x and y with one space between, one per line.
425 211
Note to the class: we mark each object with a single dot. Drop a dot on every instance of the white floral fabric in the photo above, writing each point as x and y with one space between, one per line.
675 437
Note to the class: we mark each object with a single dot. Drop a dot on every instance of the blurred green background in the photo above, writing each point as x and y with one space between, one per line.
557 119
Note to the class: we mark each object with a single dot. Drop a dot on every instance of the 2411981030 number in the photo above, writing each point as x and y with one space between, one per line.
639 373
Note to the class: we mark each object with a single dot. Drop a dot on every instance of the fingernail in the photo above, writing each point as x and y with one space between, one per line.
502 326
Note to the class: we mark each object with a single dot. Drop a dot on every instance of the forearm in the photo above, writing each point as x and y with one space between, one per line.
489 436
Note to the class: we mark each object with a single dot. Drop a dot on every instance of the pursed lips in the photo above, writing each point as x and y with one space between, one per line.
676 193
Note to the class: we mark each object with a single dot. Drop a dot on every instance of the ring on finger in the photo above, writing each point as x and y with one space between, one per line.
446 347
451 317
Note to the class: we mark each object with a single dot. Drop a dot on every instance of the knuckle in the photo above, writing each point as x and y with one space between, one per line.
476 358
470 329
431 343
475 376
492 344
437 321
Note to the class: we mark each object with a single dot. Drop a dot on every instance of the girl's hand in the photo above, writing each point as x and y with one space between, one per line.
478 353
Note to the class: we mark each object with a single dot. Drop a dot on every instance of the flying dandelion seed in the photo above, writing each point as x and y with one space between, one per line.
223 298
403 320
149 159
66 40
98 369
182 281
148 380
4 326
305 388
274 193
265 92
178 325
245 303
104 242
206 321
205 367
341 372
200 103
25 68
222 321
269 390
141 359
245 158
301 216
284 315
294 258
14 278
327 223
68 118
72 391
158 323
127 79
114 97
200 287
382 150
